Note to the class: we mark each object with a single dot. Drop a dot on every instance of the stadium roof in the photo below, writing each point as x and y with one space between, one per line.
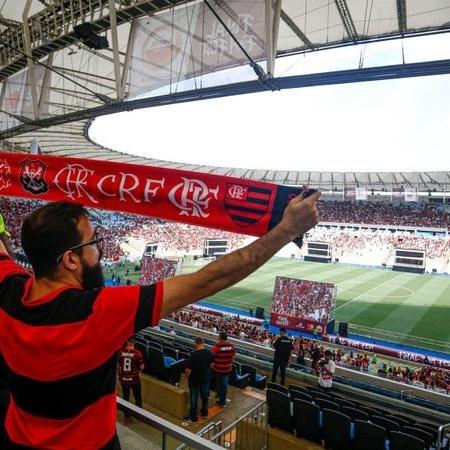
86 82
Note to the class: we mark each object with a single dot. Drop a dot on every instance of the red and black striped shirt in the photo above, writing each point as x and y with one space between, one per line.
223 353
60 352
130 362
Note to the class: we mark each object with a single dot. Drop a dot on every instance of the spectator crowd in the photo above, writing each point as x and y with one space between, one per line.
379 213
425 376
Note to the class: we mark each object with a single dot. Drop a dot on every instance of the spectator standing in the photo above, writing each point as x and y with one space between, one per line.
223 353
130 362
283 349
326 369
198 373
68 297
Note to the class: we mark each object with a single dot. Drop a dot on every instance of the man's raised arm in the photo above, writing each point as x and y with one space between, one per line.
299 217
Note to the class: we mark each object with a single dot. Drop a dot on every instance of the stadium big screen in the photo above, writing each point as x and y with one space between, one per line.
156 269
302 305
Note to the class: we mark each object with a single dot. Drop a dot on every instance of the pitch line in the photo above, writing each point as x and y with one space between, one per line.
364 293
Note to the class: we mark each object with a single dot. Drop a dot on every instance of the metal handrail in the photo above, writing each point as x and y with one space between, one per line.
440 435
234 424
166 427
208 429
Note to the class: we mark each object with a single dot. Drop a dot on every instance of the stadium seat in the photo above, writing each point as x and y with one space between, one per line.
306 420
164 368
322 396
403 417
399 420
279 410
142 348
343 402
155 345
256 380
170 351
336 429
368 436
237 379
371 412
327 404
183 355
429 428
403 441
301 396
389 425
428 438
294 387
354 413
277 387
382 412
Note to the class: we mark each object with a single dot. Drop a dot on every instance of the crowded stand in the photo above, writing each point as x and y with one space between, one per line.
376 247
181 238
426 376
155 269
377 213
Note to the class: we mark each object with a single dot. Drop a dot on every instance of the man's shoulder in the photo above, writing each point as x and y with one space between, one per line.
9 268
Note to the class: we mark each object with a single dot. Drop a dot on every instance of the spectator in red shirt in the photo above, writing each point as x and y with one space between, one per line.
65 317
130 362
223 353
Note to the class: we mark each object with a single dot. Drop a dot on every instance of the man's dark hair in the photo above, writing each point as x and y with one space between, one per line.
223 336
48 232
282 330
198 341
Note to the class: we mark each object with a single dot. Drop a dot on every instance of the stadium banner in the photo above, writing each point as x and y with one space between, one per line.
361 193
411 195
189 42
398 193
383 350
296 323
349 193
226 203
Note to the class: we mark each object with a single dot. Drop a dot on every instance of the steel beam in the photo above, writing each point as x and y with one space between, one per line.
115 46
319 79
292 25
402 17
347 20
30 62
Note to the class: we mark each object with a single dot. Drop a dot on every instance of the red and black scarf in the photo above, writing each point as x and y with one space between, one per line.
215 201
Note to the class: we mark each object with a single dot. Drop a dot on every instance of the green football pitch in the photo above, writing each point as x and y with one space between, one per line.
411 308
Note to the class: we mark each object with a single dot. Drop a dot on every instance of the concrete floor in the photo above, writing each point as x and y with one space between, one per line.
137 435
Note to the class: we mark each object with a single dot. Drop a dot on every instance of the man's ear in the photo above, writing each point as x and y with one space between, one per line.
71 261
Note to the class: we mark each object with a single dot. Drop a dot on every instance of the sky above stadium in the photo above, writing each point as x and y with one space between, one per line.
393 125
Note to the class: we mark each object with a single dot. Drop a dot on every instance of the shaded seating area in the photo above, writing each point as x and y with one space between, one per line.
329 420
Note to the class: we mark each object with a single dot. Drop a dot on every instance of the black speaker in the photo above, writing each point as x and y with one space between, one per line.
330 326
343 329
87 34
259 313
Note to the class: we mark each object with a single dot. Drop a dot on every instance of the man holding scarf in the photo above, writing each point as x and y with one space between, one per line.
60 330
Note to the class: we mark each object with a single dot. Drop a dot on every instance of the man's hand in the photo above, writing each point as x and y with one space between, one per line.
300 215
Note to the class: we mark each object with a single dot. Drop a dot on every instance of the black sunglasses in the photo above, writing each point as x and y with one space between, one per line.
98 241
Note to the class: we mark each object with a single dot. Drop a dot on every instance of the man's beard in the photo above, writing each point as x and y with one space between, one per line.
92 277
